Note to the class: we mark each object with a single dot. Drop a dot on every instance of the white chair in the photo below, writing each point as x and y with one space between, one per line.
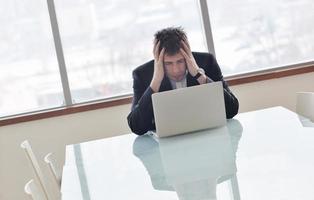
305 104
56 173
38 172
32 191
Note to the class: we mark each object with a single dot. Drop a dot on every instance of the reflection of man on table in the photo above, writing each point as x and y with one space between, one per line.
174 66
191 164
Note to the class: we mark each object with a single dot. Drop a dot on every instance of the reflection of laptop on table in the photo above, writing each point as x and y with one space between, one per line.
189 109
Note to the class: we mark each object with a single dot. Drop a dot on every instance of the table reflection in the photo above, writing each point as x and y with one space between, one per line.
192 164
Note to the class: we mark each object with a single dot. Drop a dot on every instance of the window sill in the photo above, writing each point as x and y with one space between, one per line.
232 80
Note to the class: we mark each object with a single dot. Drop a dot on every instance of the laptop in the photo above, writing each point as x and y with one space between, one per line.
189 109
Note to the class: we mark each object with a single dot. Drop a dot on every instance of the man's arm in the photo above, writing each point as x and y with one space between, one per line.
141 115
158 67
231 102
192 66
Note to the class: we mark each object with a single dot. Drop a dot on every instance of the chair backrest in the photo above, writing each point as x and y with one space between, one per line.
305 104
32 191
34 163
56 173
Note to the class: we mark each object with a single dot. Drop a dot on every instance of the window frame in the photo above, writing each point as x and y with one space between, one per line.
127 99
70 107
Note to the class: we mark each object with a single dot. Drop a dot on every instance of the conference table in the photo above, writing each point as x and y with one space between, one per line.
258 155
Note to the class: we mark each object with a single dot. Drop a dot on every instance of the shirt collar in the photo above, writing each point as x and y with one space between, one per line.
179 84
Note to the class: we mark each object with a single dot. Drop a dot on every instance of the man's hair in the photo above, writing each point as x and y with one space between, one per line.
170 38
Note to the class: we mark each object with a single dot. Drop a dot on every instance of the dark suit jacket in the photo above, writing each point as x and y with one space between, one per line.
141 118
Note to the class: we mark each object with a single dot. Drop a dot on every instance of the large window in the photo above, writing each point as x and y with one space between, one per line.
252 35
29 76
102 41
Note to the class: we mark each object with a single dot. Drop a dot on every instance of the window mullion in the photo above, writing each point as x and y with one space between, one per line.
59 52
207 27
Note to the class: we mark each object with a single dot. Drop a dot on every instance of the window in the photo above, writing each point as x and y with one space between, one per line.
29 76
253 35
104 40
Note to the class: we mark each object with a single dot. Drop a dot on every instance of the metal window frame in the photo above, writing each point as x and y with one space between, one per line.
60 55
207 27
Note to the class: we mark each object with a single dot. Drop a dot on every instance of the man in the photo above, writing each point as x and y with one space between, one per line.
174 66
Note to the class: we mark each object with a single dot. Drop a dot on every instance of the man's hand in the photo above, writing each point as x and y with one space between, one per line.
189 58
190 61
158 67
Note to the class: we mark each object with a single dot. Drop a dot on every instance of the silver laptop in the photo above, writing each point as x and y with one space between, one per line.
189 109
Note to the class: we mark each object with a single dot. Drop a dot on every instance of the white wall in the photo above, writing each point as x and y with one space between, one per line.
53 134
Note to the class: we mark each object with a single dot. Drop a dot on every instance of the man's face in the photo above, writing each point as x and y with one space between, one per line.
175 66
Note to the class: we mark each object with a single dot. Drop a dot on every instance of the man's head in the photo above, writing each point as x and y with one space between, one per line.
170 39
174 62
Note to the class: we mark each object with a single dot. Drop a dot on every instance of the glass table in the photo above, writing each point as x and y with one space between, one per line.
264 154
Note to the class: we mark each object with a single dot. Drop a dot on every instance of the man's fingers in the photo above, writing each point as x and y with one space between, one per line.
161 55
186 41
185 55
156 48
155 44
185 46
